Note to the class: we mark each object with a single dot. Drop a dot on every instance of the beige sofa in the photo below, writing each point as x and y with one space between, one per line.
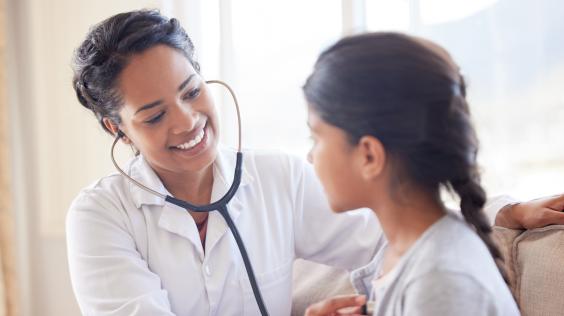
534 261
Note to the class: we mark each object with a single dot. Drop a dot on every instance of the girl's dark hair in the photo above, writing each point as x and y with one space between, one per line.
107 49
408 93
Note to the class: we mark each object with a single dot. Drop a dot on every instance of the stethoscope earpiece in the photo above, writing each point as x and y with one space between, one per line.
120 134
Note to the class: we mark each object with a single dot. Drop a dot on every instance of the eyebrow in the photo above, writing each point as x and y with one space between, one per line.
148 106
158 102
185 82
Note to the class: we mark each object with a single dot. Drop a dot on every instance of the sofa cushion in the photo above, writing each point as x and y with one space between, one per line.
504 239
535 259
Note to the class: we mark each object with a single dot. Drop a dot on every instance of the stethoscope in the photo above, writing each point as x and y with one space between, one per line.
220 205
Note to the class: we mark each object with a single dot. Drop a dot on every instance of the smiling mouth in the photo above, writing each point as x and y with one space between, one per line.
193 142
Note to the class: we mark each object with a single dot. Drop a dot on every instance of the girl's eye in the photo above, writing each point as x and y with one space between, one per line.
192 94
156 118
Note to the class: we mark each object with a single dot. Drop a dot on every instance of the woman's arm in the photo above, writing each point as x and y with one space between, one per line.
108 274
532 214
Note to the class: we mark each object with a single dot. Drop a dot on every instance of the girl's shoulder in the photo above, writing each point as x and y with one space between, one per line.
453 248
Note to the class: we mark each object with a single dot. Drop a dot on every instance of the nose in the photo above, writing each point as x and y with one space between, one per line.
184 117
310 156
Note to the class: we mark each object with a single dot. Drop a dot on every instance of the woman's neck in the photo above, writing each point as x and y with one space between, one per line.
195 187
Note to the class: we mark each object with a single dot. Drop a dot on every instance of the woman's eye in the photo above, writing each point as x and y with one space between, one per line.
156 118
192 94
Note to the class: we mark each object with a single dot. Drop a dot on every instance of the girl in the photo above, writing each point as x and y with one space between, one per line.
389 111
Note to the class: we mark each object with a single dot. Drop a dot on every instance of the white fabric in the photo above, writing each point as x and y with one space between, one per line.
494 205
130 253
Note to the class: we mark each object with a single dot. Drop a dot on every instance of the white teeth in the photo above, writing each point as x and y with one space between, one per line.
193 142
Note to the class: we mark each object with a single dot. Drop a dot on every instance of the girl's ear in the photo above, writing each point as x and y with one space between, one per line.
372 157
113 127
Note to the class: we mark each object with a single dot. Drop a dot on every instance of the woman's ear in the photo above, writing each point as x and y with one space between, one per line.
113 127
372 157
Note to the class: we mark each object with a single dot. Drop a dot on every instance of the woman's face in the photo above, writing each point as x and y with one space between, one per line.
168 112
335 162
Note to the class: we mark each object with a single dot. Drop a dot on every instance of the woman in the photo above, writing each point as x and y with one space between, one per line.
390 111
130 253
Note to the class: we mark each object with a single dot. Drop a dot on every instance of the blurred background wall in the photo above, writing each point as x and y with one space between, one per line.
510 51
8 290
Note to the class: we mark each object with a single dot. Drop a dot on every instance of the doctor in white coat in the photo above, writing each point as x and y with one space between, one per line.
130 252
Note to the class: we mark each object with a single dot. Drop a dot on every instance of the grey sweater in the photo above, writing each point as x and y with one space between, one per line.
448 271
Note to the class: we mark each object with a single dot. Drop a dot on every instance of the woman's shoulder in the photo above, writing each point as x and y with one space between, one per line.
107 192
273 156
270 162
98 191
270 170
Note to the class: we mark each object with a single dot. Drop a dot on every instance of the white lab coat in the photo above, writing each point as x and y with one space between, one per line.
130 253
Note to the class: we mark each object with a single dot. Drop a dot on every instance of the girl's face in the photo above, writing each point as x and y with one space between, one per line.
336 163
168 112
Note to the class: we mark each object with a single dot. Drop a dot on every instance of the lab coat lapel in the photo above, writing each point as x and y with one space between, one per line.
223 170
178 221
217 227
140 171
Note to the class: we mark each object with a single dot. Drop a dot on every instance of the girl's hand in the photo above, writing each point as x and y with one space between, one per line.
532 214
339 305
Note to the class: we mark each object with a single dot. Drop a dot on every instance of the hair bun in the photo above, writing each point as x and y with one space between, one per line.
80 94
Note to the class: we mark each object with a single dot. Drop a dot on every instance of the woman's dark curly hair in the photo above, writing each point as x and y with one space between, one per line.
107 49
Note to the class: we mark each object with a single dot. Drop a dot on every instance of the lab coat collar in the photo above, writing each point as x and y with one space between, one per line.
173 218
223 172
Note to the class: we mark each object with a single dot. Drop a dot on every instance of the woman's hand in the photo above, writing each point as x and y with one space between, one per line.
338 305
532 214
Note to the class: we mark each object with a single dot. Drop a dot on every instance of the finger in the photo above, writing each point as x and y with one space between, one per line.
551 217
556 203
349 311
331 305
338 302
